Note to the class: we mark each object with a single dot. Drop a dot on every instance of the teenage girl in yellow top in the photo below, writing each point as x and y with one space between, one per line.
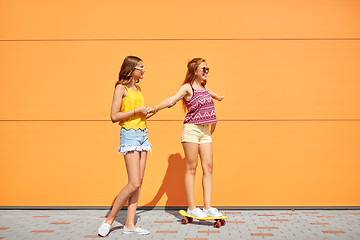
129 110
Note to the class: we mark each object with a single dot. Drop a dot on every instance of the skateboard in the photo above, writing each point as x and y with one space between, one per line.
219 221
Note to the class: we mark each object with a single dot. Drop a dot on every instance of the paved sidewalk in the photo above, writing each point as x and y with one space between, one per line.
245 224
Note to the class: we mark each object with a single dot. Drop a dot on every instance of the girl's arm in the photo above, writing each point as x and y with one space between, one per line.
171 101
115 114
214 95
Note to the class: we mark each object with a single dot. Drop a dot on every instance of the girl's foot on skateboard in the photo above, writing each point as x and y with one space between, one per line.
197 213
212 212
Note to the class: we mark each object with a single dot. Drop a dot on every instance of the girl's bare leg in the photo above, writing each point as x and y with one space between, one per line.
132 161
133 200
206 156
191 151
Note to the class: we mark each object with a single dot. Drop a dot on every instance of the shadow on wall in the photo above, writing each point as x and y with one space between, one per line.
173 184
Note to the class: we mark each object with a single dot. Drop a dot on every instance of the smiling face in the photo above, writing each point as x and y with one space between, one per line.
139 71
202 72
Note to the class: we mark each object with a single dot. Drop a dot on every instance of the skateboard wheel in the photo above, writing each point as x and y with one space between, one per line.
184 221
217 224
190 219
223 222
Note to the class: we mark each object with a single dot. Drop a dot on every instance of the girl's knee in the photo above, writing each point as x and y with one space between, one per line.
191 169
208 169
135 185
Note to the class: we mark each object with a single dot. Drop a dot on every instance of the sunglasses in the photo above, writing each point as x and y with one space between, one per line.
205 69
140 68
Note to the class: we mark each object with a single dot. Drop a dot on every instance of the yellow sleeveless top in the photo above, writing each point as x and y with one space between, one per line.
133 100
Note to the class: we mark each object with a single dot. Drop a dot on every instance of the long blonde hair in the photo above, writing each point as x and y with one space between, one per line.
190 76
126 70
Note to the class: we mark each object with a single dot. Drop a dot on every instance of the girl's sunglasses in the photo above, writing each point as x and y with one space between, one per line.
205 69
140 68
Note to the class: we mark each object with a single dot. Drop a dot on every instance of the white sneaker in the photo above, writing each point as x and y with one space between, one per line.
135 231
104 229
196 213
212 212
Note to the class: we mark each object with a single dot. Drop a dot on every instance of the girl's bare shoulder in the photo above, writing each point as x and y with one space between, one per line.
120 87
186 87
120 90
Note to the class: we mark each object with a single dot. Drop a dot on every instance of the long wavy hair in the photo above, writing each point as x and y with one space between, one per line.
190 76
127 69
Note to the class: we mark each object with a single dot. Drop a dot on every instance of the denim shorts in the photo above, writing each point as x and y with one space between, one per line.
133 140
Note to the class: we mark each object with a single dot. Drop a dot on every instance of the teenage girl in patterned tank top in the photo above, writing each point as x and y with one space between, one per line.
196 139
129 110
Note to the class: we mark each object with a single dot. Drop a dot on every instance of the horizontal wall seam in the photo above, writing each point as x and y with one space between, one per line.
169 120
182 207
179 39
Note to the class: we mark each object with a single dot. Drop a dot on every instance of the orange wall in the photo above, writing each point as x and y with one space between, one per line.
289 126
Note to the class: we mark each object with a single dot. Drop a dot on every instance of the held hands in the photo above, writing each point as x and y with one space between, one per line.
150 112
146 111
143 110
